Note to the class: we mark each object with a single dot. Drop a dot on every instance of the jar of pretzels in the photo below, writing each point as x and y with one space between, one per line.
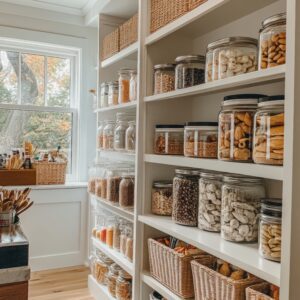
273 42
269 131
236 127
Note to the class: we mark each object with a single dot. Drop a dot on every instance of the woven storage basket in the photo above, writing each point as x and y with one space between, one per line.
211 285
111 44
257 292
50 173
171 269
129 32
195 3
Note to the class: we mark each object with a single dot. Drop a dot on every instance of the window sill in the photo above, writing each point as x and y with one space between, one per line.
67 185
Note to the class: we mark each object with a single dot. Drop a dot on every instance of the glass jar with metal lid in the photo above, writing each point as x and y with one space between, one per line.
272 50
237 56
133 86
236 127
126 193
104 95
270 229
164 78
240 211
201 139
124 286
269 131
113 93
112 278
108 135
124 85
101 268
162 198
210 200
185 197
190 71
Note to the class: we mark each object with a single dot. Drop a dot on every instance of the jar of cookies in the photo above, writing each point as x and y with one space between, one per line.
112 277
270 229
164 78
236 127
113 93
272 51
124 286
162 198
201 139
169 139
108 135
124 85
269 131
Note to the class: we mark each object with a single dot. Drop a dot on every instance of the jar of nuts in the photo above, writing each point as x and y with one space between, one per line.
201 139
164 78
272 51
270 229
162 199
185 197
236 126
169 139
240 210
269 131
124 286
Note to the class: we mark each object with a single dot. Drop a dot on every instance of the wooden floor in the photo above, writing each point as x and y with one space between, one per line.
61 284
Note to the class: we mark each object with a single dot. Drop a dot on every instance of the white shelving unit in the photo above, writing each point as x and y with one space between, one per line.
190 34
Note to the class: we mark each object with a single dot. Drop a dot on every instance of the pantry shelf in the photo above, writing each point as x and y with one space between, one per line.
245 256
98 291
116 108
250 169
116 155
114 255
241 81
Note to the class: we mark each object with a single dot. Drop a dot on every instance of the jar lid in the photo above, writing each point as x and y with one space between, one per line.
190 58
235 178
202 124
271 207
274 19
271 100
242 39
165 126
244 99
212 175
217 44
193 172
164 66
163 184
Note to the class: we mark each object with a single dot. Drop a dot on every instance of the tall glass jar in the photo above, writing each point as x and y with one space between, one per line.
236 127
117 234
104 95
101 269
269 131
112 277
133 86
110 231
120 135
210 200
130 137
108 135
113 93
124 286
190 71
113 185
124 85
272 51
126 195
100 132
123 238
241 208
162 198
185 197
164 78
129 244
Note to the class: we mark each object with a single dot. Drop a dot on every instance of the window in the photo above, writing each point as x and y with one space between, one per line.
38 99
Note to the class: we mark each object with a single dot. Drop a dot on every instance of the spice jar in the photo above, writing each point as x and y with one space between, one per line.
112 279
133 86
129 244
104 95
210 200
201 139
130 137
116 235
124 286
235 127
100 136
113 93
164 78
269 131
162 198
120 135
185 197
113 185
124 85
189 71
272 51
169 139
240 208
108 135
237 56
101 269
270 229
126 194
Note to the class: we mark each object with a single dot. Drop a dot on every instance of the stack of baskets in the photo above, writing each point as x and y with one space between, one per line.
111 44
50 172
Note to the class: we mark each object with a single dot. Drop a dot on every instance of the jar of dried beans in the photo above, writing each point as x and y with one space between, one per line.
169 139
126 194
113 185
162 199
164 78
113 93
108 135
124 85
124 286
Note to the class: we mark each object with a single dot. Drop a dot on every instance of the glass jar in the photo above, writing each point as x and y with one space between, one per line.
110 232
169 139
100 132
238 56
219 44
201 139
124 286
164 78
104 95
270 229
272 50
123 238
124 85
236 127
210 200
185 197
133 86
116 235
112 279
108 135
113 93
241 208
162 198
129 244
269 131
101 269
130 137
126 194
190 71
120 135
113 185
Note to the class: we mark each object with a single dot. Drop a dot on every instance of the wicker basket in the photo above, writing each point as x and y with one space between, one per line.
258 292
195 3
166 11
50 172
212 285
129 32
171 269
111 44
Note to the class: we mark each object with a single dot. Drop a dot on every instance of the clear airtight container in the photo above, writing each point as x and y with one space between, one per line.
124 85
130 137
162 198
126 194
104 95
120 135
133 86
269 131
113 93
169 139
164 78
108 135
272 51
101 269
